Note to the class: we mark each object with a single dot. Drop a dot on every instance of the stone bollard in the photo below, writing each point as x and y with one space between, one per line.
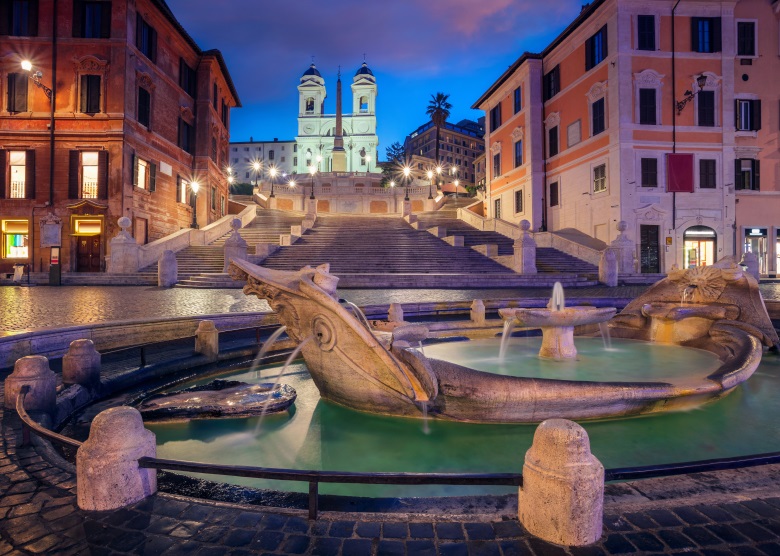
625 249
478 312
395 313
525 250
107 472
207 340
608 267
562 497
406 208
81 364
124 251
32 371
167 269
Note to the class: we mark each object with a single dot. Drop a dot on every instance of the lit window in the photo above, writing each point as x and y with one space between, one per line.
15 239
142 168
89 175
600 178
18 164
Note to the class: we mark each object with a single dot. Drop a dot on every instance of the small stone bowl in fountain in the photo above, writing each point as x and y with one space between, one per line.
558 326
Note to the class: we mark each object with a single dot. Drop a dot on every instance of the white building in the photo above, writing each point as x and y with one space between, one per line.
317 130
282 155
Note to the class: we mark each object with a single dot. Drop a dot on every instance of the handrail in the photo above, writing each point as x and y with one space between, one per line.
700 466
28 424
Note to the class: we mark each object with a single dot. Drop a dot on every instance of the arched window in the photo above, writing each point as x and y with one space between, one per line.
363 104
310 105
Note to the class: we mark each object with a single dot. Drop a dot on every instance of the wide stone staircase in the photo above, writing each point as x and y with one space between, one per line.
548 259
201 265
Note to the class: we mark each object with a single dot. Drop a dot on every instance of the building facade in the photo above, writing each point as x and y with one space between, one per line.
317 130
138 114
642 114
460 145
281 155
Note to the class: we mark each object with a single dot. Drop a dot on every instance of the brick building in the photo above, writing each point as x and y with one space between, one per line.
140 112
650 113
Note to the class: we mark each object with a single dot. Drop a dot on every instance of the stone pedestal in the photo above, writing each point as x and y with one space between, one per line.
562 497
406 208
558 343
32 371
478 312
272 202
124 257
107 472
625 250
608 267
525 250
167 269
207 340
750 261
81 364
235 245
395 313
311 207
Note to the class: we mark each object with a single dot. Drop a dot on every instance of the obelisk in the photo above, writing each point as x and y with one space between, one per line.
339 154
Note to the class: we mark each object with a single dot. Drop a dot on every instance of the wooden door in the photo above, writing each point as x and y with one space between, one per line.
88 254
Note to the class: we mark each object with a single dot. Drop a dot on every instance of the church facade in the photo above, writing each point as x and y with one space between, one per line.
319 133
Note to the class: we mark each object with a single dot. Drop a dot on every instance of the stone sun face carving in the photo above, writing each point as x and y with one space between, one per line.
702 283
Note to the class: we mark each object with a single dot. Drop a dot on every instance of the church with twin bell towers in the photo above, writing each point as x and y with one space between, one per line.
337 142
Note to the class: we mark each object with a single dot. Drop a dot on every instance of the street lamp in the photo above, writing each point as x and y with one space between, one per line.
35 76
256 166
454 172
438 177
272 173
368 162
312 171
407 171
701 81
430 184
194 186
319 159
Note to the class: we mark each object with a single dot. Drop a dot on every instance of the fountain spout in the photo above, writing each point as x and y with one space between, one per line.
557 301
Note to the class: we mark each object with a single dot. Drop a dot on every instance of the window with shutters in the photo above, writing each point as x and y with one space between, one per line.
222 205
519 201
746 39
91 19
705 34
144 175
747 174
552 141
187 78
186 136
747 114
89 175
598 117
554 201
146 38
645 32
600 178
707 175
496 165
144 107
518 153
213 198
17 171
596 49
214 94
518 99
19 18
551 83
647 106
17 92
495 117
90 94
705 108
183 190
649 168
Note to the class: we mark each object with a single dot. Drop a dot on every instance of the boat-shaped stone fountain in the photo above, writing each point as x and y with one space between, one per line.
382 372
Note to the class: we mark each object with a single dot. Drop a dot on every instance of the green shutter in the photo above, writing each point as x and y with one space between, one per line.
3 158
73 174
134 160
152 177
29 174
756 175
103 175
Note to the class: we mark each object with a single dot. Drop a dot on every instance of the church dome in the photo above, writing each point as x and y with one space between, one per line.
312 71
364 70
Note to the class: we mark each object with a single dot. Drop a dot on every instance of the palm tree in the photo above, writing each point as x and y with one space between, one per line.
439 111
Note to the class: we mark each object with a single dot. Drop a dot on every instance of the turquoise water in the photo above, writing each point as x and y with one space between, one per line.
321 435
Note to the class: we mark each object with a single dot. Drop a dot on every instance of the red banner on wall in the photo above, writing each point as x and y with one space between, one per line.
679 173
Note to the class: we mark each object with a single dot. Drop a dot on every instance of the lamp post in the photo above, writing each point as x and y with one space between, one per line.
35 77
430 183
312 171
406 171
272 173
256 167
438 176
319 159
701 81
454 172
194 186
368 163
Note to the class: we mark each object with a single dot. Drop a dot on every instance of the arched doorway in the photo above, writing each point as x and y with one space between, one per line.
700 246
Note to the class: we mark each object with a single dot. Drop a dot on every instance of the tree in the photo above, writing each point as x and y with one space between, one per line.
395 155
438 110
